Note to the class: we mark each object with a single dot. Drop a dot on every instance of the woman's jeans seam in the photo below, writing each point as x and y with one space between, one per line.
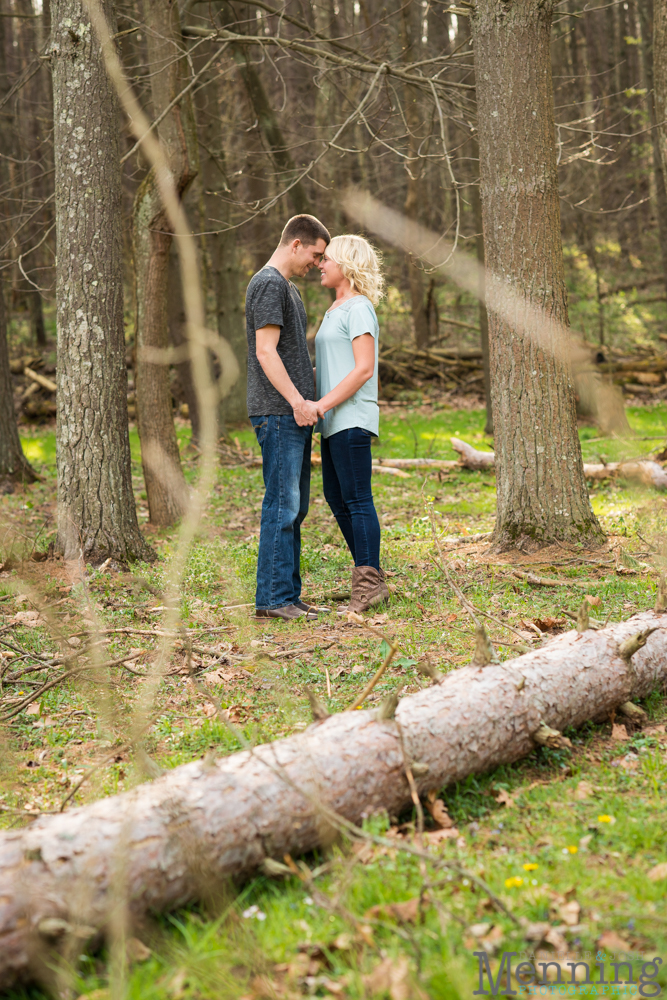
346 476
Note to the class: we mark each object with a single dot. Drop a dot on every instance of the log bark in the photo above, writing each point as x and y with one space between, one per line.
542 495
473 459
647 472
96 511
170 842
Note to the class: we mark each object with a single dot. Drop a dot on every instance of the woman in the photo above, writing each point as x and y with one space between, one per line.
346 350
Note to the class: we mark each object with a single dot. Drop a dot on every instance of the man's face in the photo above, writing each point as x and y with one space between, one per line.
305 257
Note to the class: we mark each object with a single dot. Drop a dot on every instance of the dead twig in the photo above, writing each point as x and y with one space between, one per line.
393 649
545 581
63 677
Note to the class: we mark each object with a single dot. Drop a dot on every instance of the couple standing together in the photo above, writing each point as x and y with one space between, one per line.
287 398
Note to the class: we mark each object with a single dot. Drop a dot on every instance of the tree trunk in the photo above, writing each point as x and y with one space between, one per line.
165 484
178 337
14 467
483 315
96 511
225 263
542 495
13 464
184 836
411 15
654 45
32 155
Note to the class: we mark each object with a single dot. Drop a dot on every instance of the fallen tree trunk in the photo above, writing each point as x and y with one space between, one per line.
173 841
647 472
443 464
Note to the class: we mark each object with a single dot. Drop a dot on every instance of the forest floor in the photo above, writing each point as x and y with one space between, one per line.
575 845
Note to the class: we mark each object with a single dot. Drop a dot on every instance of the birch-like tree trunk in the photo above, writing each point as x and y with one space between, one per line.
96 510
187 834
165 483
542 495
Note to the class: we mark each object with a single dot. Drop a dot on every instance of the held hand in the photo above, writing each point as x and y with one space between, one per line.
305 413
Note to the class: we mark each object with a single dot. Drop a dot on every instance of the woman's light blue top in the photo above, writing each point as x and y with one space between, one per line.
334 359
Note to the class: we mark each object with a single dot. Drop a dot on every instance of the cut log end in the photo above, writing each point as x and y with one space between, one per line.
661 595
635 713
484 651
583 618
317 707
470 458
552 738
387 709
428 669
633 643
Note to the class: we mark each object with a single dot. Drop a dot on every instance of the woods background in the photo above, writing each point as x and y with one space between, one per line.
266 112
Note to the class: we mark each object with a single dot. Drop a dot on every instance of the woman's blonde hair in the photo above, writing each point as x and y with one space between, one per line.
360 263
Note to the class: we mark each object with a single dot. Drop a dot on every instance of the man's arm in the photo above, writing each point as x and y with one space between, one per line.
267 337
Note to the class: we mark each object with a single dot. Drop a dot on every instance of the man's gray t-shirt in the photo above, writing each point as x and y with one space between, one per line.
272 300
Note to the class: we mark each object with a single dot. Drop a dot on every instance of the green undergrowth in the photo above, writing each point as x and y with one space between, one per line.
556 828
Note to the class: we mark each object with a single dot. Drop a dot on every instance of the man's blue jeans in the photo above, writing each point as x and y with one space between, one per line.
346 479
286 469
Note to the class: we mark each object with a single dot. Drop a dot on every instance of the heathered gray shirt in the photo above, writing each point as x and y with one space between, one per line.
272 300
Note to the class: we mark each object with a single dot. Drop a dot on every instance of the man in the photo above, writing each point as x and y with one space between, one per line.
281 390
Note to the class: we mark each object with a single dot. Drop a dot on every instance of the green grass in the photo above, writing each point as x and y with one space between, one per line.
416 434
213 950
39 446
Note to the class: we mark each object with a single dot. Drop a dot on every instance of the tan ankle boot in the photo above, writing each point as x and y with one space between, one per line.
368 588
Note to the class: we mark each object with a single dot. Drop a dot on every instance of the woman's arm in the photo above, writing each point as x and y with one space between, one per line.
364 366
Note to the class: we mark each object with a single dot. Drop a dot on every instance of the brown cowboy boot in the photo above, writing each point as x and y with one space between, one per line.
368 589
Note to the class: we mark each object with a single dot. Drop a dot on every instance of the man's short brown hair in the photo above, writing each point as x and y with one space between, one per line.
306 228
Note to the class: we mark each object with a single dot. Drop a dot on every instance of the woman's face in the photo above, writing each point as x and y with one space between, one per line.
332 276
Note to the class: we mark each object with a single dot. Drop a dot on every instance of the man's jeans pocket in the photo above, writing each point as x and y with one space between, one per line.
260 426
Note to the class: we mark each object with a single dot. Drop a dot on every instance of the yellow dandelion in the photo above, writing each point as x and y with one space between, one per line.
572 848
606 819
530 867
514 882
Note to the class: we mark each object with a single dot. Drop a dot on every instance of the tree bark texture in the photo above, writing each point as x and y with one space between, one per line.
411 16
96 510
14 467
224 258
165 484
542 493
168 843
183 387
655 69
483 315
30 150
